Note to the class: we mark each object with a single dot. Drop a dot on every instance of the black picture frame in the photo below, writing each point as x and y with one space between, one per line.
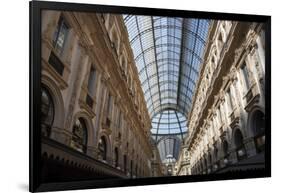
35 86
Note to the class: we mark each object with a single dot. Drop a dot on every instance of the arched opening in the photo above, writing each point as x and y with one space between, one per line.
125 163
240 148
47 112
205 163
225 151
201 166
57 101
116 157
79 135
215 153
210 163
258 126
102 147
131 168
216 158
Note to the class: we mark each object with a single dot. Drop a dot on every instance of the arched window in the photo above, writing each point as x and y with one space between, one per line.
216 153
131 168
225 148
102 148
210 159
216 158
258 124
116 158
125 163
205 163
240 148
79 135
210 162
47 112
201 165
225 151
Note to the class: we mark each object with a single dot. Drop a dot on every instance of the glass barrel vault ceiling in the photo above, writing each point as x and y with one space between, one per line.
168 52
168 130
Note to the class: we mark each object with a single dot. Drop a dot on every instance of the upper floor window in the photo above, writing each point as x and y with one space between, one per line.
216 152
229 101
119 119
47 112
136 170
225 151
91 82
245 76
258 126
125 163
116 157
91 88
239 144
60 35
131 168
108 109
79 135
205 162
210 159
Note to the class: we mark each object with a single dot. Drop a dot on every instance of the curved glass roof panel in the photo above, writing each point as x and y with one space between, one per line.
168 53
169 122
169 127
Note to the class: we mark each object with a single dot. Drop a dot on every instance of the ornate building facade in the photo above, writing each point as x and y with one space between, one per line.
140 96
94 118
227 119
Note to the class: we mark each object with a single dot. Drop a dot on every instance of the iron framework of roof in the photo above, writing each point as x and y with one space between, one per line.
168 52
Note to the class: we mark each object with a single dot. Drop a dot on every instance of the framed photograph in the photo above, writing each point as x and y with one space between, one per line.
125 96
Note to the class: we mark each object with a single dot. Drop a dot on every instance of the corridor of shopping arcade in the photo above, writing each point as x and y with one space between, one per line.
130 96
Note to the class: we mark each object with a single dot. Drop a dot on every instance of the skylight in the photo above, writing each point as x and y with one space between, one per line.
168 53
